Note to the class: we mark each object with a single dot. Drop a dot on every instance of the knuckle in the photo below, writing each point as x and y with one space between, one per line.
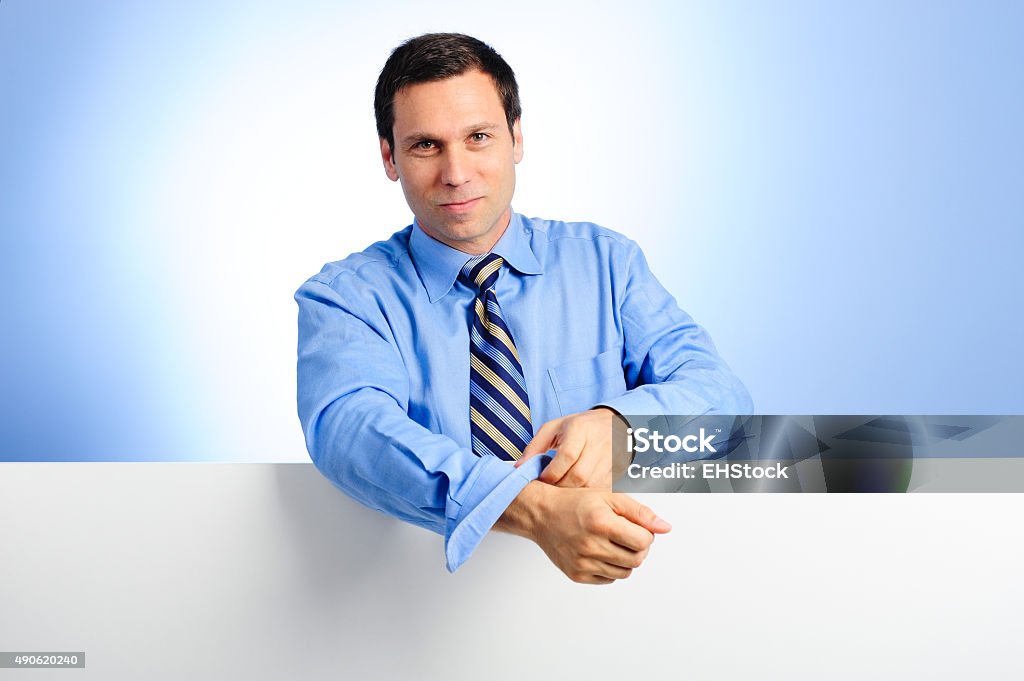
593 517
568 454
576 479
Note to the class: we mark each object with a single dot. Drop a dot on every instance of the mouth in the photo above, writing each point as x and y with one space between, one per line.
460 206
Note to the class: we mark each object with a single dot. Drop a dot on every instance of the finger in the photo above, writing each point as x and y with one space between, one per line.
623 558
595 579
545 437
525 457
632 510
542 441
629 535
620 556
589 469
611 571
594 571
566 456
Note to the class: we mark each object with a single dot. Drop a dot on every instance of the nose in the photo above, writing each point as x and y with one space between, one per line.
455 170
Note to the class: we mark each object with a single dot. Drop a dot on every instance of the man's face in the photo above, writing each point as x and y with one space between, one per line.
456 159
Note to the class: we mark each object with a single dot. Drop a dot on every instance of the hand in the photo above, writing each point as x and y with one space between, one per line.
583 449
594 537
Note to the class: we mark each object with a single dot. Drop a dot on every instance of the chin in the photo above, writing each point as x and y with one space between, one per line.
465 236
463 230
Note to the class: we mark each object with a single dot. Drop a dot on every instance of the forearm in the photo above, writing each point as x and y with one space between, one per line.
366 445
669 361
380 457
707 386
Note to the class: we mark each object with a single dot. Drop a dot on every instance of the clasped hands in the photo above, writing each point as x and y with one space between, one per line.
593 535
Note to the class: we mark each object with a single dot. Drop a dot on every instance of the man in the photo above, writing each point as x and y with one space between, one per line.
476 336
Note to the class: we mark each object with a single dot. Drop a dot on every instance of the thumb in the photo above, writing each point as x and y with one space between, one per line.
527 455
635 512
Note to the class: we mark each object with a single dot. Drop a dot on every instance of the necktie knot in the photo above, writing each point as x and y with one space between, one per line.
483 274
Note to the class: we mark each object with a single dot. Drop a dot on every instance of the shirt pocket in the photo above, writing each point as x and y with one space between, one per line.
583 383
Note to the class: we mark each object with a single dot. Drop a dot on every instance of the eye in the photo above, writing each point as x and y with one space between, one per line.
425 145
478 136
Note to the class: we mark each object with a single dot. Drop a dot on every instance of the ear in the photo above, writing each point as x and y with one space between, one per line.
517 141
389 160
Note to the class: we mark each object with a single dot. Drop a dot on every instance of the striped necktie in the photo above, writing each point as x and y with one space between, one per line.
499 409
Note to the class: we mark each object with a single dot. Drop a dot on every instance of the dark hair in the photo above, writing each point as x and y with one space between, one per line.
436 56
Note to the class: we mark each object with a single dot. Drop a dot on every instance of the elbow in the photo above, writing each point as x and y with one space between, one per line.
331 448
336 431
323 429
742 402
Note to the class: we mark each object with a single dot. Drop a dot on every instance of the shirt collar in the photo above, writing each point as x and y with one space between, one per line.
438 264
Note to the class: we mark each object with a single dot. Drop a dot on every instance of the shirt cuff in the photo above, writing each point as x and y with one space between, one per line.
496 485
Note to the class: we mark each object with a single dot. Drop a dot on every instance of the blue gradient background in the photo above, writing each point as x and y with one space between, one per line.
836 193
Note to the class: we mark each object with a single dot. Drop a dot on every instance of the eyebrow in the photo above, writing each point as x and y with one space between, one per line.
414 137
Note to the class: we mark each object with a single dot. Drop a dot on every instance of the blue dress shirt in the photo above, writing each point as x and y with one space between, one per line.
383 364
